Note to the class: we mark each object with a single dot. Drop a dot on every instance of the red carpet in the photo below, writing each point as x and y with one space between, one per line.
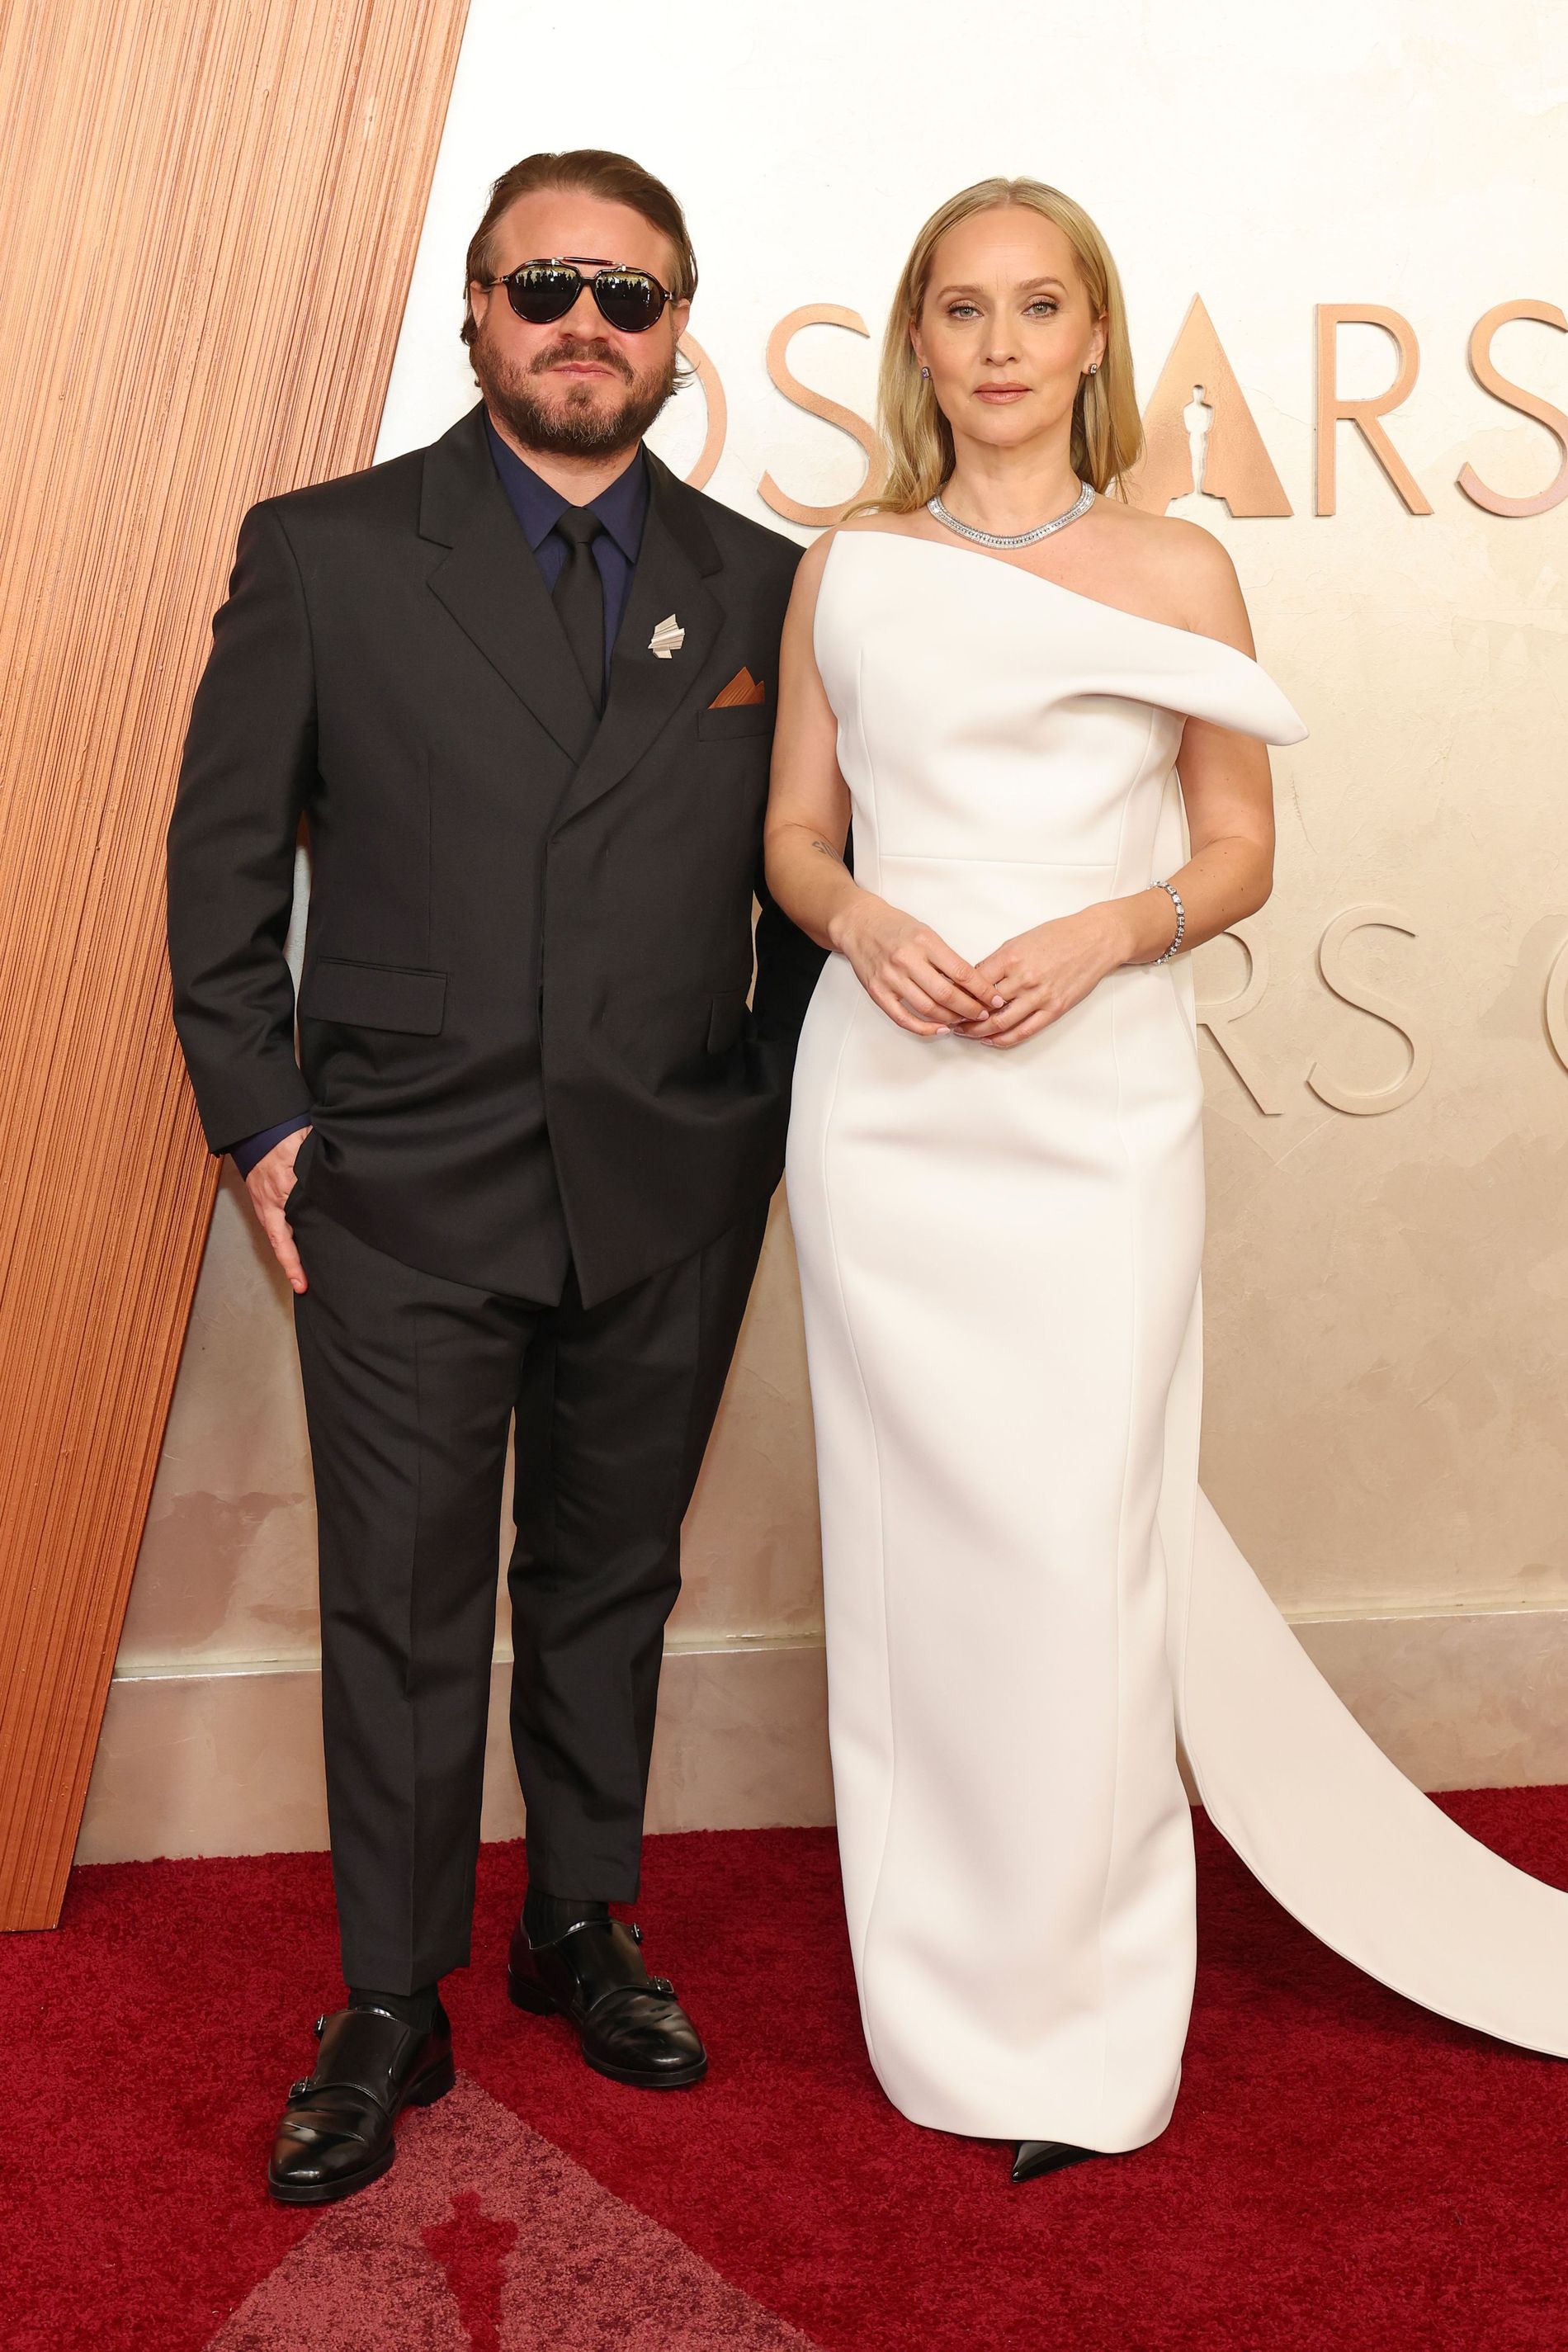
481 2227
1342 2171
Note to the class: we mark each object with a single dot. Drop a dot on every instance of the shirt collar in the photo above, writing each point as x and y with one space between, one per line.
622 508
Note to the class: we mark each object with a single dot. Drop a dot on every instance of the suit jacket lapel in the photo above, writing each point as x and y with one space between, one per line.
491 585
678 555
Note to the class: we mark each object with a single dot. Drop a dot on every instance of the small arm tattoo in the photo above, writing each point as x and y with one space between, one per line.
827 850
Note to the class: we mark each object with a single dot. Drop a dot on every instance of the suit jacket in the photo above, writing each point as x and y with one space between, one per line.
523 1027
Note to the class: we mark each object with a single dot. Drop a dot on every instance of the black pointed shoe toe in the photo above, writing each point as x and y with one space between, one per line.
630 2026
336 2132
1035 2156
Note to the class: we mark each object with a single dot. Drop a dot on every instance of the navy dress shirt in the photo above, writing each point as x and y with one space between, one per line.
622 510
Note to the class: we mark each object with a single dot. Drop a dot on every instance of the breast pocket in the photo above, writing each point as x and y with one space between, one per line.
735 755
740 722
374 996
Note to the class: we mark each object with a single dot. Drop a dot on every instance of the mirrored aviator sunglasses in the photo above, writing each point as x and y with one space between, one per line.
630 300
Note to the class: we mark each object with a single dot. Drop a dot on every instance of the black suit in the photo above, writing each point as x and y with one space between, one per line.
546 1124
530 935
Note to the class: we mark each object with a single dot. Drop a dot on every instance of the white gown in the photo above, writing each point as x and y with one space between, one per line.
1027 1597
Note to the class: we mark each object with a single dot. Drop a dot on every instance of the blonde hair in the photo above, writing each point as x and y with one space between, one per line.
1107 431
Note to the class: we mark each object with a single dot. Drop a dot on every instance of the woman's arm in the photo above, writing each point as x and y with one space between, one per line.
1229 797
1225 784
910 972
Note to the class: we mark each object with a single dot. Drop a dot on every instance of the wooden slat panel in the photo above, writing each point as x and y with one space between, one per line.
209 214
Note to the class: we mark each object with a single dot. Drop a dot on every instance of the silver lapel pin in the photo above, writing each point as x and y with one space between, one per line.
667 640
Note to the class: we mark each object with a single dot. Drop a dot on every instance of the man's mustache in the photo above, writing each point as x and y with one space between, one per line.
603 354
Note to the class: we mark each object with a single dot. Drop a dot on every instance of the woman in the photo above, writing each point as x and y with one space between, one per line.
995 1179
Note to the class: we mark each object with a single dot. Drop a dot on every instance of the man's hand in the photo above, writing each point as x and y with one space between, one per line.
269 1184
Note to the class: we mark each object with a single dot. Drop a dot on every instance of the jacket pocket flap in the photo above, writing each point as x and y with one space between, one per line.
726 1020
374 996
739 719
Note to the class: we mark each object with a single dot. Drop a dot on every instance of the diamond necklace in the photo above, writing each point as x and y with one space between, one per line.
1080 505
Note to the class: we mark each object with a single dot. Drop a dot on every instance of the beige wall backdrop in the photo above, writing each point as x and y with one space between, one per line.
1386 1278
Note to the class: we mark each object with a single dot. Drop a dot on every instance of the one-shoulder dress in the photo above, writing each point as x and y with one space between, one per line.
1029 1599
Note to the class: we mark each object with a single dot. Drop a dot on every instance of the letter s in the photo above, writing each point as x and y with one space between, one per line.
818 314
1529 403
1366 999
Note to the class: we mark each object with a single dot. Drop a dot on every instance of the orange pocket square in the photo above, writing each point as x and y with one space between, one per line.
743 687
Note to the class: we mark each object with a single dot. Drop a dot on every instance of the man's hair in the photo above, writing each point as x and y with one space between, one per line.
598 173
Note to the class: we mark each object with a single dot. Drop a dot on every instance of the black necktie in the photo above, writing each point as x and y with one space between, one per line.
579 596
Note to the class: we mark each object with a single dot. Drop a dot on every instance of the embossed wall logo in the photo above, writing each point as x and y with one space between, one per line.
1200 433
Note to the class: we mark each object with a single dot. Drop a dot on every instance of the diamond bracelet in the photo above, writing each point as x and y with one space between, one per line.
1181 919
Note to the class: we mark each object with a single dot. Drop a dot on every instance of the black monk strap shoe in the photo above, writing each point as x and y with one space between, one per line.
630 2025
336 2132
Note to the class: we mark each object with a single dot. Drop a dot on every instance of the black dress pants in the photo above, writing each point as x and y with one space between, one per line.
410 1382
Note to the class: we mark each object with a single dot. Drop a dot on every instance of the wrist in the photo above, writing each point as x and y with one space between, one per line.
1123 933
1147 924
1177 914
841 922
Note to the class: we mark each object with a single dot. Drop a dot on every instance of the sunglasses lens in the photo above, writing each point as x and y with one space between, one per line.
629 300
539 293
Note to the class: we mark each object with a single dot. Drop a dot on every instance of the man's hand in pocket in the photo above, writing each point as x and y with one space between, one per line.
269 1184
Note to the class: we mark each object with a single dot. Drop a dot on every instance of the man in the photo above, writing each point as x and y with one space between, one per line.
522 686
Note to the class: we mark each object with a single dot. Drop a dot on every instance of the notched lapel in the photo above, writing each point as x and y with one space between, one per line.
646 692
491 585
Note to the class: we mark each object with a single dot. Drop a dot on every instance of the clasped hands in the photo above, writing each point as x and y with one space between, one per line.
918 982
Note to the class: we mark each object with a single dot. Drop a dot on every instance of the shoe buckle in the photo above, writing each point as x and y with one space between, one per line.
298 2090
634 1931
661 1984
320 2027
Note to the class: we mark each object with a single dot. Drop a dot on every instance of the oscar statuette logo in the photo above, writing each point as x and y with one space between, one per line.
1234 465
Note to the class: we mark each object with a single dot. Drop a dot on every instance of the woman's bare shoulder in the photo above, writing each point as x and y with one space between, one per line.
814 562
808 574
1185 576
884 519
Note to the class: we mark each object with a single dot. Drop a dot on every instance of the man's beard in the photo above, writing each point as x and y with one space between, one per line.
578 426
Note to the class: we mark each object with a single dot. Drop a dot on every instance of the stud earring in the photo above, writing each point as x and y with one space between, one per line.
926 372
1094 367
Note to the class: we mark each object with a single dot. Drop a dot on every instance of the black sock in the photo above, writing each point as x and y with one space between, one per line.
547 1917
416 2009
